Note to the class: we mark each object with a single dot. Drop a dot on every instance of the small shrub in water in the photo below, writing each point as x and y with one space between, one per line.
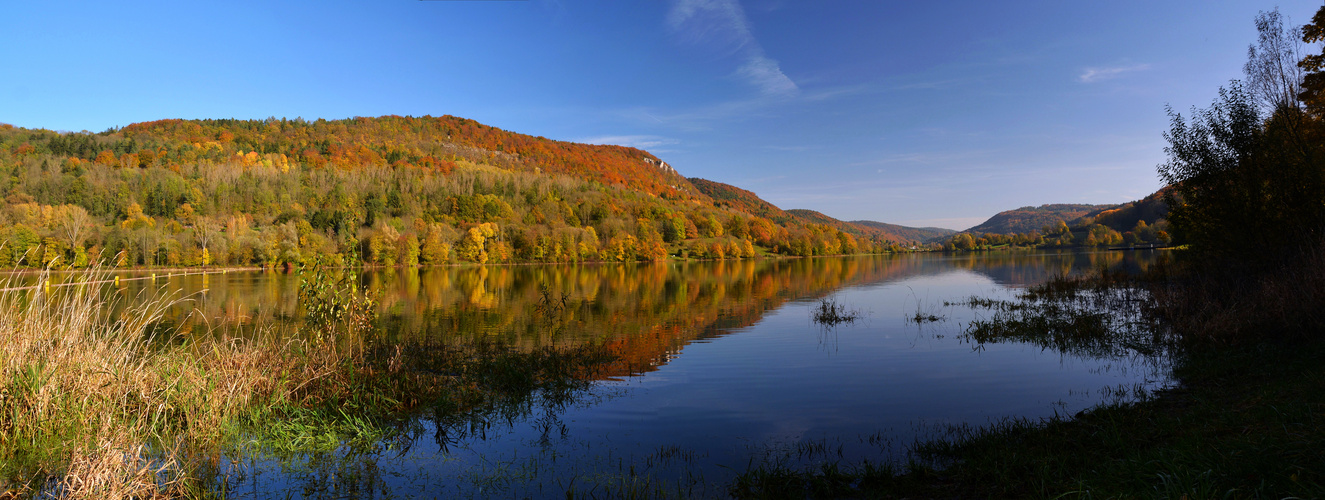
830 313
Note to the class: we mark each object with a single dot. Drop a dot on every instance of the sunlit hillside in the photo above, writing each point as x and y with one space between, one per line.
387 191
1027 219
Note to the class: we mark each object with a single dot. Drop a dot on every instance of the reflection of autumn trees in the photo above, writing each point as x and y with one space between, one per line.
644 313
1028 268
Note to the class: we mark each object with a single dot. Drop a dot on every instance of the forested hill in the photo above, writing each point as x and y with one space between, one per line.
1141 222
387 191
1027 219
357 143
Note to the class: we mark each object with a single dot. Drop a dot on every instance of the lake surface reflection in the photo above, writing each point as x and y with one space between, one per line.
719 368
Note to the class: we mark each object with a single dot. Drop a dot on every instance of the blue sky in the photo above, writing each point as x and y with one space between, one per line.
918 113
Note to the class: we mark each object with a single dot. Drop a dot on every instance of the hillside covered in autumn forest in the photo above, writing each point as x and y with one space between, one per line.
387 191
1142 222
1027 219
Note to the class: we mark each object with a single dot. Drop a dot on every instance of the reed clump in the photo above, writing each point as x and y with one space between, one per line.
102 405
95 406
1103 314
830 313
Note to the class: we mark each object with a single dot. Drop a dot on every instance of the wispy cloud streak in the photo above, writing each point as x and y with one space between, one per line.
634 141
723 25
1092 75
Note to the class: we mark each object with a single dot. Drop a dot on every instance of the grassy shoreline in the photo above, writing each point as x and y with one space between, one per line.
99 407
1246 421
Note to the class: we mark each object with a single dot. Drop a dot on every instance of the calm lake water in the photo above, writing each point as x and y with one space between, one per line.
720 368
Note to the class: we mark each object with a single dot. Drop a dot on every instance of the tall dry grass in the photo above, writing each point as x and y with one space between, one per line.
101 405
94 406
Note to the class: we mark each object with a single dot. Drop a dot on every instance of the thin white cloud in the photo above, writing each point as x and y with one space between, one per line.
793 149
634 141
764 73
1093 74
722 25
717 22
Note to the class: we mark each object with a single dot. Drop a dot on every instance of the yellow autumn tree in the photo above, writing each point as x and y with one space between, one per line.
473 247
134 217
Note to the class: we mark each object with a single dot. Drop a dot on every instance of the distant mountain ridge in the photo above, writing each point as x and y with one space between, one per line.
921 234
729 196
1026 219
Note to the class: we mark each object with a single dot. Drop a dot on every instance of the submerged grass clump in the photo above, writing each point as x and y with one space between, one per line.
1099 316
830 313
923 315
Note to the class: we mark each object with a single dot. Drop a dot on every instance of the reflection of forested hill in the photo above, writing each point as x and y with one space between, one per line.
645 313
1030 268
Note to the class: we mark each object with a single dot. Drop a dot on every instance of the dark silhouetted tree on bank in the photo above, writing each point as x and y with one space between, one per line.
1247 185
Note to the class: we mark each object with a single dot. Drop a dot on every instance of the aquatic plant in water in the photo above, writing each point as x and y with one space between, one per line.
830 313
1098 316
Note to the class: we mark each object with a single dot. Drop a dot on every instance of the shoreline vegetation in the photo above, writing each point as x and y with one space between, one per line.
102 267
99 407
